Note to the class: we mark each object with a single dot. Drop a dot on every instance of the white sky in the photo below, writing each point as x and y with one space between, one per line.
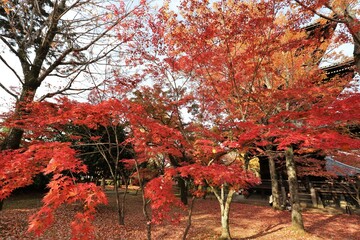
9 80
343 52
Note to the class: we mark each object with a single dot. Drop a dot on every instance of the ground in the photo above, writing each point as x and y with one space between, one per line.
247 222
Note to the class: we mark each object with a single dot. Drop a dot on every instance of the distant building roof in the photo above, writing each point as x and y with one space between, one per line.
338 59
339 168
337 54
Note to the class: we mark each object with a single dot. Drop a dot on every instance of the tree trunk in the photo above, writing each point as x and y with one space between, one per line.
274 184
13 139
181 182
188 225
352 23
124 196
144 203
118 203
225 202
357 54
183 190
296 215
225 210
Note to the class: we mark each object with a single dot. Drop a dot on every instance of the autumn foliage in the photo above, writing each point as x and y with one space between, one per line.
227 77
19 167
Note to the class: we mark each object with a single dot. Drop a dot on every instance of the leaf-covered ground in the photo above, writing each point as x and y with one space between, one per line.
247 222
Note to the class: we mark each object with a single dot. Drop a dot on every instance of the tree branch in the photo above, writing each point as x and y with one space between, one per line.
54 64
10 47
8 91
13 70
58 61
319 14
61 91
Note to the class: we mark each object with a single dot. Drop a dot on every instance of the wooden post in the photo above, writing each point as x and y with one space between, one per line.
313 196
283 192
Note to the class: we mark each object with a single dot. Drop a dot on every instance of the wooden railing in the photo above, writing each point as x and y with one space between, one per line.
318 193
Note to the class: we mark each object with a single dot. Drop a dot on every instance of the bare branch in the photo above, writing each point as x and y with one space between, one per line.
54 65
78 72
105 32
10 47
8 91
69 8
58 61
12 69
319 14
61 91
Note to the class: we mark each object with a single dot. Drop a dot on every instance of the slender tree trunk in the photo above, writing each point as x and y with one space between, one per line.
118 202
183 190
225 210
144 203
181 182
225 202
274 184
296 215
188 225
146 214
124 197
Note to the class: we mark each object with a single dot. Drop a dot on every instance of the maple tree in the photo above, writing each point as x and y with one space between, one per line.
248 76
169 95
101 141
162 103
58 39
340 11
176 66
164 106
250 83
146 139
229 60
50 42
150 139
58 160
103 150
223 176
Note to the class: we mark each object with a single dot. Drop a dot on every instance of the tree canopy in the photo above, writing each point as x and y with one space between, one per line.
193 87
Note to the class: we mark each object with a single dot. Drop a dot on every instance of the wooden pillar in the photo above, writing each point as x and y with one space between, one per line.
283 192
313 196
